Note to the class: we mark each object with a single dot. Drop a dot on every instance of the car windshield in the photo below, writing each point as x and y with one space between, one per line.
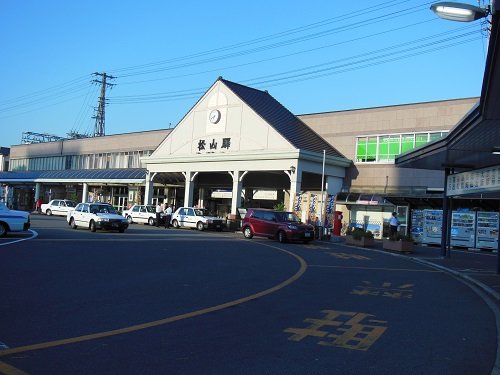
3 207
151 209
102 209
70 204
288 217
202 212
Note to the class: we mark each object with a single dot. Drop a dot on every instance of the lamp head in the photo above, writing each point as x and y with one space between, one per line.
459 12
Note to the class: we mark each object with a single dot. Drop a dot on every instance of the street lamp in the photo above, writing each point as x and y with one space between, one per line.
459 12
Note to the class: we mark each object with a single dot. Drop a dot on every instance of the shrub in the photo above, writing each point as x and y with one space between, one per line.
401 237
279 206
358 233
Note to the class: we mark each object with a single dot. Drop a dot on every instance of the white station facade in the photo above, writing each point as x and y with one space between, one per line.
241 140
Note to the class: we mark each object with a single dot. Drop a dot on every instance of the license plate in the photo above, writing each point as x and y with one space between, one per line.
307 234
115 224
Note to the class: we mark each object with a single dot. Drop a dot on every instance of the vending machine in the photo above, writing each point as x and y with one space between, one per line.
433 221
487 230
463 229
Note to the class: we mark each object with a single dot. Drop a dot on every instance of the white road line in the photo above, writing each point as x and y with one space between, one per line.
34 234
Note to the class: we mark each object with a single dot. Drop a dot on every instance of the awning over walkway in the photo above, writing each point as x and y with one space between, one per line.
128 175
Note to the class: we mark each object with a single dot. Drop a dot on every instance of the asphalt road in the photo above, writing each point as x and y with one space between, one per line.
157 301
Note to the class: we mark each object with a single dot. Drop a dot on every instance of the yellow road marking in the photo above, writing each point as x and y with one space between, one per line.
375 268
156 323
9 370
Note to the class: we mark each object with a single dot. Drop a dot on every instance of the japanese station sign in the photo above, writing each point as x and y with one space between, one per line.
477 181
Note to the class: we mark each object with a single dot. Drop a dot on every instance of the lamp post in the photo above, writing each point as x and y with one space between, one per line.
462 13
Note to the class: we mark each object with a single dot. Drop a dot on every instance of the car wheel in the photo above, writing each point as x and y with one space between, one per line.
175 224
92 226
247 232
151 221
48 212
72 223
129 219
199 226
3 229
281 236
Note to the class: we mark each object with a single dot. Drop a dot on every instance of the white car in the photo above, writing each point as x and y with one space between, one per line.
57 207
198 218
12 220
96 216
142 213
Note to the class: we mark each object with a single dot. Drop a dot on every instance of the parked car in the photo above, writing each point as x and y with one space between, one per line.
57 207
198 218
284 226
141 213
96 216
12 220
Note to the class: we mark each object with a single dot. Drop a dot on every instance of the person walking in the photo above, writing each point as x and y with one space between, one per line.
168 212
38 205
394 224
158 211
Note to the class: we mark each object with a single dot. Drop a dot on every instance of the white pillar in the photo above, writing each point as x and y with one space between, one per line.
148 194
237 188
85 194
201 193
38 185
189 188
295 187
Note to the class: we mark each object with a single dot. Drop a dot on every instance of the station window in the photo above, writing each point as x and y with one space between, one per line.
385 148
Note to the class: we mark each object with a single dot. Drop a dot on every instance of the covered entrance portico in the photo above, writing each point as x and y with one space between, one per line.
287 173
243 141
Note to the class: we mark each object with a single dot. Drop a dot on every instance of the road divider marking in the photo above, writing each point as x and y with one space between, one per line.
10 370
34 234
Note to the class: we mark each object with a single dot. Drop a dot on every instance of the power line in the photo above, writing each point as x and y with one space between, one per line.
360 60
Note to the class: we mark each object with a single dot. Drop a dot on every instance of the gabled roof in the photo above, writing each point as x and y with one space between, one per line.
282 120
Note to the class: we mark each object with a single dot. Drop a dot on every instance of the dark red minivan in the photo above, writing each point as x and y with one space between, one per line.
283 226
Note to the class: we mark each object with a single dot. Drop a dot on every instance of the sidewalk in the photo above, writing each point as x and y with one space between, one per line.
478 267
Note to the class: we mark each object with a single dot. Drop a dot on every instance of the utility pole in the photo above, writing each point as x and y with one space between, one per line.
99 129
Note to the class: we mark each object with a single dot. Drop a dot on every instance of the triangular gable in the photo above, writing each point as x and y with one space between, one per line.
221 122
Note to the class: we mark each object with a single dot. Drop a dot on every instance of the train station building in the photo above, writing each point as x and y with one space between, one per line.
239 147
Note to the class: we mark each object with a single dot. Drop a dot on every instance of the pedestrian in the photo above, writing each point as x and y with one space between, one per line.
168 212
38 205
158 211
394 224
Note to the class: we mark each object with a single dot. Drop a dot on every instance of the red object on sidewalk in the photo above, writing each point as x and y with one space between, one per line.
337 223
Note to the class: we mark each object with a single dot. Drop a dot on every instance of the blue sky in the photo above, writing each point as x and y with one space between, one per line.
313 57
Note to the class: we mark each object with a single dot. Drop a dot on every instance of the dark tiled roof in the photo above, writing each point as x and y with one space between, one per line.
282 120
77 174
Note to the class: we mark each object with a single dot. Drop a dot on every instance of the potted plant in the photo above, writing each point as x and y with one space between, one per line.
359 237
398 242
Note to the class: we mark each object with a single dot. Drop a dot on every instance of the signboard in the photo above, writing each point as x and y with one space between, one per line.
480 180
